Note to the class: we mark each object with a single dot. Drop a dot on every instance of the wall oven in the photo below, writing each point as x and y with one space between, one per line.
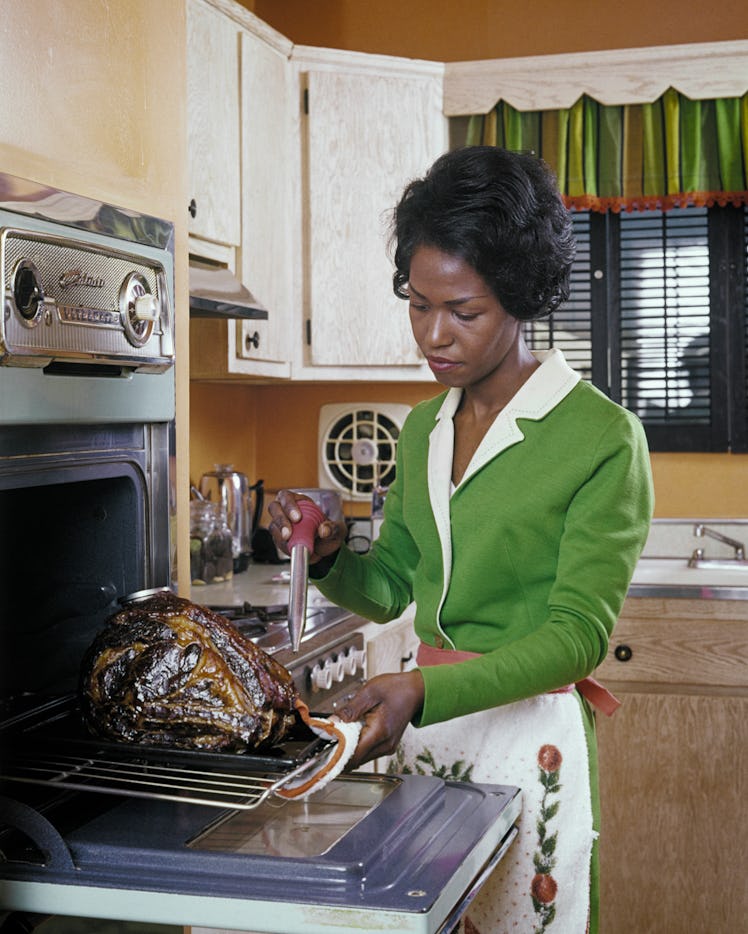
86 497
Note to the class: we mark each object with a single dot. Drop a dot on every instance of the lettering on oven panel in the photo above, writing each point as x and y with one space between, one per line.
70 314
74 277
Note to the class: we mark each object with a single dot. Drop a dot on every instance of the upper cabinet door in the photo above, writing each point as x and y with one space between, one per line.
367 135
267 188
213 124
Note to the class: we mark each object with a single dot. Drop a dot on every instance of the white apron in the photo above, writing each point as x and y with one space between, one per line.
542 883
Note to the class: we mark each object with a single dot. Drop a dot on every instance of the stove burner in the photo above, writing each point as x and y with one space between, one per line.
252 620
246 610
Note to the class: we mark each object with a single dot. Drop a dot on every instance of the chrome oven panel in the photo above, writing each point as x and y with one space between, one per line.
86 310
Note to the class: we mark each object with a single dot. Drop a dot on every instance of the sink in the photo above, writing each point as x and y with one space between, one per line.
722 564
710 578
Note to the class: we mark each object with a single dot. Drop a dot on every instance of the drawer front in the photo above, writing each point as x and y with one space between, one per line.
709 653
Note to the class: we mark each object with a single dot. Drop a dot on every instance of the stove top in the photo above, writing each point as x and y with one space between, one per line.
267 626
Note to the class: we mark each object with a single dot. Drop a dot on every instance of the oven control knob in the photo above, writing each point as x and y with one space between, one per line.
28 293
322 677
138 309
145 308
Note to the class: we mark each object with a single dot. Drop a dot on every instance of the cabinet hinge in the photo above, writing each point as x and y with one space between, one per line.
306 101
309 332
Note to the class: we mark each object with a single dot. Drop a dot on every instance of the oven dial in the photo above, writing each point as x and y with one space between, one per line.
138 309
28 293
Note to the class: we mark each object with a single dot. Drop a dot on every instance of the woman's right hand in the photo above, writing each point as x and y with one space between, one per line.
284 513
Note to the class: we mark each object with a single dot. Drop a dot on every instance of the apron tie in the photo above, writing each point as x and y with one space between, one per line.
591 689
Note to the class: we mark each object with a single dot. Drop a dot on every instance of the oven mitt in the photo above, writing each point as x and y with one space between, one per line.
332 762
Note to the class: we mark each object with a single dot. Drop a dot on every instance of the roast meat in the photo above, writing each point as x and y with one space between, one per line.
168 672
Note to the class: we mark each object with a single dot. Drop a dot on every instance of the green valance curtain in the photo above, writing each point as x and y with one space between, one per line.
672 152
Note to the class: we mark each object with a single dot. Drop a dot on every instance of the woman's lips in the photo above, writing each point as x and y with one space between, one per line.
441 364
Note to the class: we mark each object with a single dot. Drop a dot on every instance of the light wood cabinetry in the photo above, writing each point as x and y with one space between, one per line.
673 766
390 647
213 124
241 171
370 124
297 156
264 348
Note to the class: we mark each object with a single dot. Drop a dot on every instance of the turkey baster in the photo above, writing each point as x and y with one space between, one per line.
301 543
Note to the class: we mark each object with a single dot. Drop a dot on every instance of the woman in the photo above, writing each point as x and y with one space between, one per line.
521 502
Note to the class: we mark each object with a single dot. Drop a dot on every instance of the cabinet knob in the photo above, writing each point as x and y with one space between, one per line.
192 207
252 340
623 653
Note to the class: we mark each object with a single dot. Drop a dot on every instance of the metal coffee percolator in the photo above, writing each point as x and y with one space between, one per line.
233 490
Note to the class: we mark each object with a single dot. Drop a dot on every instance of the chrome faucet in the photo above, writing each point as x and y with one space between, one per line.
700 530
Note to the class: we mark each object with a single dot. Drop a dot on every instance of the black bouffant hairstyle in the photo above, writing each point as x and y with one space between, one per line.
501 212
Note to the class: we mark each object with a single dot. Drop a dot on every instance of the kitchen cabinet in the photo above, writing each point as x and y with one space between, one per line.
390 648
267 259
253 151
368 126
213 124
673 767
328 141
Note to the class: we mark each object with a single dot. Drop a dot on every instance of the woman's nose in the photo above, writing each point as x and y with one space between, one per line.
438 332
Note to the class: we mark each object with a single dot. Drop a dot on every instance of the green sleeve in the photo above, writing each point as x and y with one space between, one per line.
377 585
605 528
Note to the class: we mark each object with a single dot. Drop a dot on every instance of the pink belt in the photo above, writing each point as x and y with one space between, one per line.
599 696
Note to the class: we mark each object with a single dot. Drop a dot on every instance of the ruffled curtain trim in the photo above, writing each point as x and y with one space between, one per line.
657 202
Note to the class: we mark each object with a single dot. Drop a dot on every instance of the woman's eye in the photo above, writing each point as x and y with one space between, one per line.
464 316
417 306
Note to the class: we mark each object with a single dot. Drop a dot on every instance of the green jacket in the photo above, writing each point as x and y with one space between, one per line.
529 560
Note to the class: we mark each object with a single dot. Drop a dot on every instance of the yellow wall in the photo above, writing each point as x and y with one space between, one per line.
276 437
270 432
93 102
445 31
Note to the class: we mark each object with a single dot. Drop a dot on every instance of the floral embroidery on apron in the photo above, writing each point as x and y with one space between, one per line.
544 886
541 886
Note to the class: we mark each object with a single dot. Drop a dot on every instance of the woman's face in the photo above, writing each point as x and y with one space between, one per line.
459 325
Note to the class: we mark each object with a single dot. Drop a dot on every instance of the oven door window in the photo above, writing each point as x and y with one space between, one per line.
69 550
296 828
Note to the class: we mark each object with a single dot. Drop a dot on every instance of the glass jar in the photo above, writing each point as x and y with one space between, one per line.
211 558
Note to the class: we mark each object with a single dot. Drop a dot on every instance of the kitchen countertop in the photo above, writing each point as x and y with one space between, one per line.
260 585
267 584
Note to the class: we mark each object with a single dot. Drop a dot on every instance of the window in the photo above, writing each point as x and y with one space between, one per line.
658 319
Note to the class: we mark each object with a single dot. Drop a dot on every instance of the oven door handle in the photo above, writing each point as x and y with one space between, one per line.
41 833
453 919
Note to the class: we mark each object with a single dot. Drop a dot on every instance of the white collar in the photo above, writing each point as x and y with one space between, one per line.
547 386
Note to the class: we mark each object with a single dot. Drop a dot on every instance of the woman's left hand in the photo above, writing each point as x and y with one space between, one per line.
386 704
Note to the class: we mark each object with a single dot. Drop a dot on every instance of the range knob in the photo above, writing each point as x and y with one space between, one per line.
138 309
321 676
338 668
352 659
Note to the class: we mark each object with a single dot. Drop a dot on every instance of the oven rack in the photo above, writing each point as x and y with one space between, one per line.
153 780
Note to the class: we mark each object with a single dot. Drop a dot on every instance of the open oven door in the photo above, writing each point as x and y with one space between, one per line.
368 853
